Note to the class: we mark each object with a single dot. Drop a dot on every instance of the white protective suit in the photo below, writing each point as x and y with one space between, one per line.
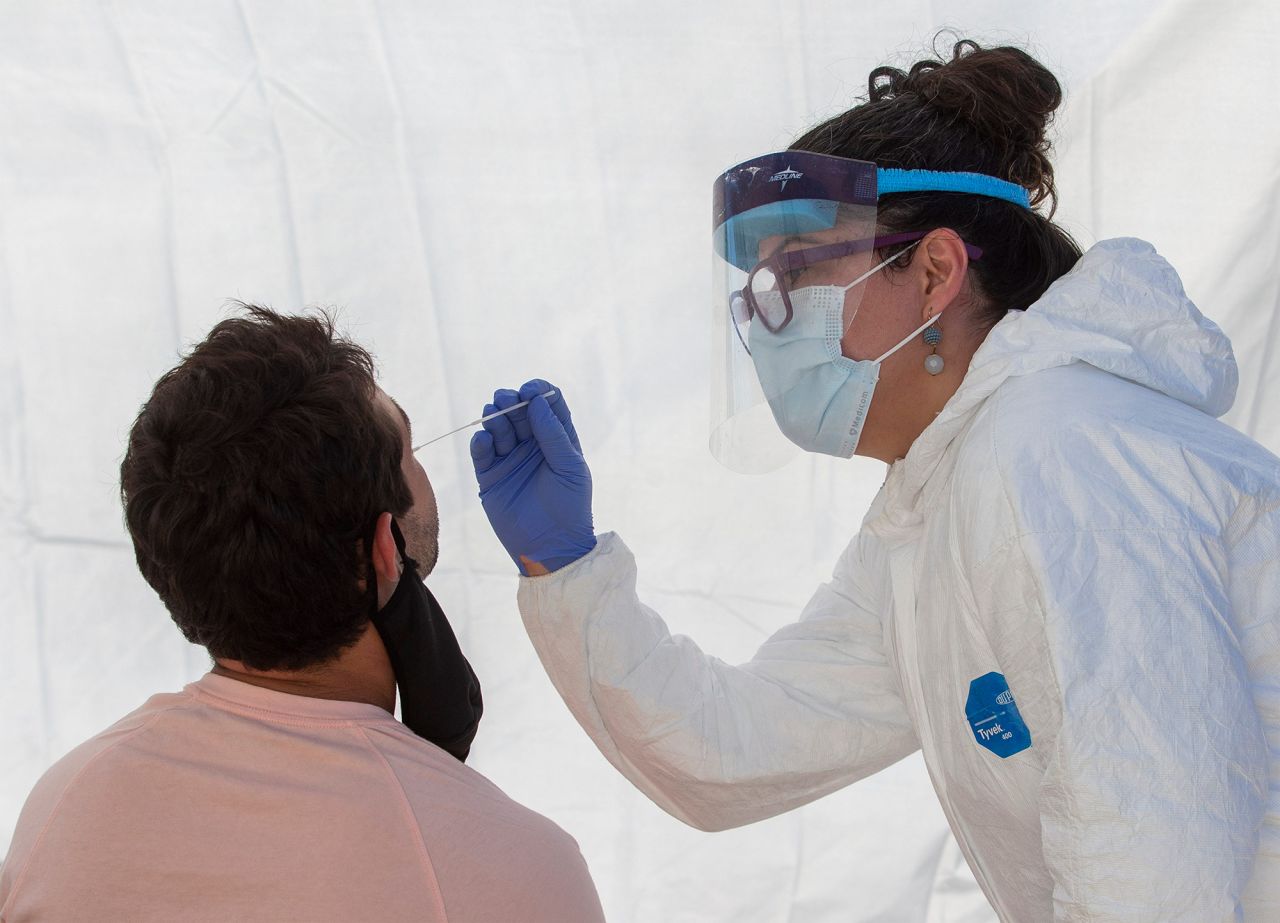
1076 521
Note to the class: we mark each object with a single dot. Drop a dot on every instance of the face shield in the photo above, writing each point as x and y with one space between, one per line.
792 233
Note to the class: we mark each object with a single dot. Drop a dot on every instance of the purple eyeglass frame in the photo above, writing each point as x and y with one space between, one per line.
792 260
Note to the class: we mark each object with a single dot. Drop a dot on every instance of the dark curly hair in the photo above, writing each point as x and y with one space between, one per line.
986 110
253 474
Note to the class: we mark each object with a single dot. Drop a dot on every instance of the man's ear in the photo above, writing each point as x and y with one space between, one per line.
944 265
386 556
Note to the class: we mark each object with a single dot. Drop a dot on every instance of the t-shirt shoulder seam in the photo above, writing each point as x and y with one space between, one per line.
411 818
524 818
66 790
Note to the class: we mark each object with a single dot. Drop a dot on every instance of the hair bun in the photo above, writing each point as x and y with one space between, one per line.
1002 97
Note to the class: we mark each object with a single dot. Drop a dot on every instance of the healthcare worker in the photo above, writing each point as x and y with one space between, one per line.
1067 592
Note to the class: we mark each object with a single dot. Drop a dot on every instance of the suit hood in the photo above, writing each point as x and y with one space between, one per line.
1121 309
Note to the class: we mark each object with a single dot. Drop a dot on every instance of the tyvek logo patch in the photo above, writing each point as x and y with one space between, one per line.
994 716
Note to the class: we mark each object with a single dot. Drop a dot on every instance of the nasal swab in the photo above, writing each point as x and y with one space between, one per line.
550 393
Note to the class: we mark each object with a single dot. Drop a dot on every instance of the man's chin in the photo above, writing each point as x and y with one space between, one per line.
428 563
423 545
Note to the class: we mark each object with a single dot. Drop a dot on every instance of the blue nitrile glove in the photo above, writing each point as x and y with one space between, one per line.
534 483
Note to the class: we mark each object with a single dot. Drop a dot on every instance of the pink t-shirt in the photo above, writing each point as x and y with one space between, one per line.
227 801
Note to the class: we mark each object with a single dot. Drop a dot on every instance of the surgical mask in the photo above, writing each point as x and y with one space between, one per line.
818 396
440 697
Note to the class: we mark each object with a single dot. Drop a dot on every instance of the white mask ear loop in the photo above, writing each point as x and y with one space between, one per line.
875 269
911 336
871 272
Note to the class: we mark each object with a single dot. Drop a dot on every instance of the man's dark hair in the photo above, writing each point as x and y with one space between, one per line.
253 476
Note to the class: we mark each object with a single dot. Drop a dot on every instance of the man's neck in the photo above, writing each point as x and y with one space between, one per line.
360 673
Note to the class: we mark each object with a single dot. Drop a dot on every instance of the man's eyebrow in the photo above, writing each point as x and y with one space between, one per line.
407 424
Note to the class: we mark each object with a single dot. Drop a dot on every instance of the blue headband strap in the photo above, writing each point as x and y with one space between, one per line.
889 180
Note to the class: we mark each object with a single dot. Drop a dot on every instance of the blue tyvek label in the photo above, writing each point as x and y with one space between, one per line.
994 716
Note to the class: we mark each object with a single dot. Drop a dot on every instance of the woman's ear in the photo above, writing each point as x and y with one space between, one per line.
944 265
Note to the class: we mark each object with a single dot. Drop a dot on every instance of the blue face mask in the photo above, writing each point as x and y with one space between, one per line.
818 396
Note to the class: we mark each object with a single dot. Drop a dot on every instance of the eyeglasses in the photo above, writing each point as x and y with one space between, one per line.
777 271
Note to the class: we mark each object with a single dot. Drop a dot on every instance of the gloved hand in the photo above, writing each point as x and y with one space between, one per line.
534 483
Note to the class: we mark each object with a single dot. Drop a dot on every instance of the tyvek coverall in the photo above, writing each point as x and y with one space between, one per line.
1067 594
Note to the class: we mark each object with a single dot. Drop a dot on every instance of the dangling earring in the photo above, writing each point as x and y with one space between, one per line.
933 363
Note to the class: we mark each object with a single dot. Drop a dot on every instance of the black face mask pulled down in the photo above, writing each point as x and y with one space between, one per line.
439 693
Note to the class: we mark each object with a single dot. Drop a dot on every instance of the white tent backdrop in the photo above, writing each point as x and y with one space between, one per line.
497 191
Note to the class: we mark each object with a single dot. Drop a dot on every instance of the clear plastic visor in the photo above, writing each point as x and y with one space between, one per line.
783 283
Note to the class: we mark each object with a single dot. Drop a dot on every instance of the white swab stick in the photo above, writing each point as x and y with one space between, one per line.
550 393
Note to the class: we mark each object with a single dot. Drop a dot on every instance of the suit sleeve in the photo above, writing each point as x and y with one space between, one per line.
1155 781
718 745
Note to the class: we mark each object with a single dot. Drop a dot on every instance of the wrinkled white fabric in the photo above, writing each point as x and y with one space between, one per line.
1077 520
